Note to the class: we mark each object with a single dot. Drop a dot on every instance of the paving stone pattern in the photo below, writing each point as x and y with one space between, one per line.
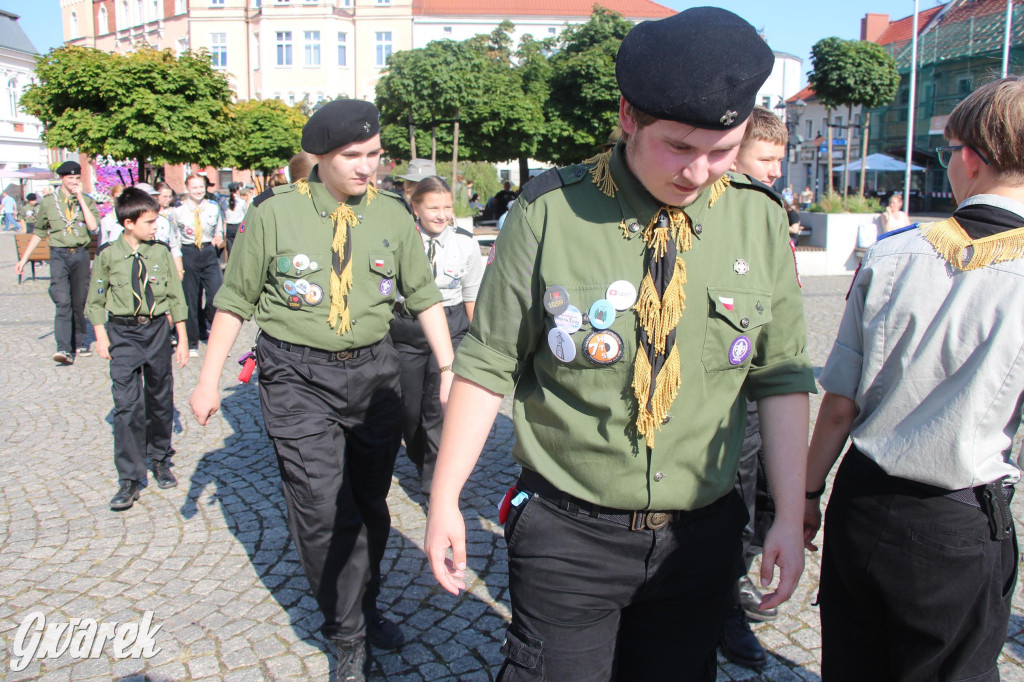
212 558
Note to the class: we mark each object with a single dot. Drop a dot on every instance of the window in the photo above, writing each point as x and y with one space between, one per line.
552 30
74 25
312 48
179 6
809 130
138 12
856 122
766 101
102 24
383 47
382 3
291 99
342 47
284 48
963 86
182 45
216 3
154 10
123 19
447 30
219 50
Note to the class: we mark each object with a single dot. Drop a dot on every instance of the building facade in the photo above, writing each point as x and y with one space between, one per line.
21 142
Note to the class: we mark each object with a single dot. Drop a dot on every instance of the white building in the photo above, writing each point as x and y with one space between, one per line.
21 142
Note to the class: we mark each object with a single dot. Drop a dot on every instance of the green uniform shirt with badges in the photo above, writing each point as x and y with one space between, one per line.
741 334
280 267
60 217
111 287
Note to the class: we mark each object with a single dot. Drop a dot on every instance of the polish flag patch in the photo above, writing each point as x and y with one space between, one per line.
379 263
727 303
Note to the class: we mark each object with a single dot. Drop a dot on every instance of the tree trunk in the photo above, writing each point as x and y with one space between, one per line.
846 163
524 171
433 145
866 123
412 137
831 185
455 150
140 163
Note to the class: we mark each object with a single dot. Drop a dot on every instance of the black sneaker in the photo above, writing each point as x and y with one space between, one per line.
383 633
354 660
738 642
62 357
162 474
126 496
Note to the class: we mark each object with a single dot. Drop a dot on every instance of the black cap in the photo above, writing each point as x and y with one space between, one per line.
702 67
338 123
69 168
31 196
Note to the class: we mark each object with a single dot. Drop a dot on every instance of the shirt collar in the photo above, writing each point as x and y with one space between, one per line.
324 203
996 200
441 239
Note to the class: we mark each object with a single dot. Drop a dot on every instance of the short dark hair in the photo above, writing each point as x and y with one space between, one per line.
988 120
31 196
133 204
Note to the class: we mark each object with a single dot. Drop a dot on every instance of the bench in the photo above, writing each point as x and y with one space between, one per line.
41 254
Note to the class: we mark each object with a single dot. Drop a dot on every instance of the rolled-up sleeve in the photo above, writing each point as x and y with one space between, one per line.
246 274
508 319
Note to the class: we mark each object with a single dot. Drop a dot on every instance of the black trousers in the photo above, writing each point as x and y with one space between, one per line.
421 386
202 276
593 600
69 287
913 587
142 384
230 232
336 428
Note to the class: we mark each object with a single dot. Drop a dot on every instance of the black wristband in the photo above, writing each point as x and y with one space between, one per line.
816 495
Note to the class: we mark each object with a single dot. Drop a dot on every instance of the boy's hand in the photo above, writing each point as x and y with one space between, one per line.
205 401
103 348
181 354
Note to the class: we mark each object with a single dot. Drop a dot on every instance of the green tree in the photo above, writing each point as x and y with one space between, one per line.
265 134
582 110
849 73
145 105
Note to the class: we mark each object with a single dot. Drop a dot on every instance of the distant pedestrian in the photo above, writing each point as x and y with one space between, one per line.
234 214
503 199
419 169
29 212
133 289
894 217
69 218
806 198
110 229
10 208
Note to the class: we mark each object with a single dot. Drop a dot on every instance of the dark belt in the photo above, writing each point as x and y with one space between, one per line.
68 249
641 519
330 356
129 320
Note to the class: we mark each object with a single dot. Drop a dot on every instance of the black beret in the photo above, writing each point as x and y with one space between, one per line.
702 67
69 168
338 123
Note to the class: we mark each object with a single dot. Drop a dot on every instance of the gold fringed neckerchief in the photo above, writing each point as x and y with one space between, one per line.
952 243
371 193
344 219
659 307
718 189
67 212
602 173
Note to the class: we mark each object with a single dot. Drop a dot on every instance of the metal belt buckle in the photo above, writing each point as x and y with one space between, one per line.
341 356
72 249
650 520
142 319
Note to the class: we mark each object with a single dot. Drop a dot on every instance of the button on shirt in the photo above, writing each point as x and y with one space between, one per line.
60 218
111 287
184 217
457 265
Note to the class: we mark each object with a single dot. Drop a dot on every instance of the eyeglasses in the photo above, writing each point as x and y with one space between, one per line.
946 154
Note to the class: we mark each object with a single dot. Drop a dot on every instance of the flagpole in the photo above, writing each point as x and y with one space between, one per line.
1006 38
910 111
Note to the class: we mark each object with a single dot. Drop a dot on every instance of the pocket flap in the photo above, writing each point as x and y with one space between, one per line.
744 309
383 264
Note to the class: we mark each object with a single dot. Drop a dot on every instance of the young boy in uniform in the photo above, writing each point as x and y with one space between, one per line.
926 379
134 285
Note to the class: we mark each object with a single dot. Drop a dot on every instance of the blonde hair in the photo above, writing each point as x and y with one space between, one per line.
765 126
989 120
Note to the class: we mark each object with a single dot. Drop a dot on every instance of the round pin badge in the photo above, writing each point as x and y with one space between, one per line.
301 287
622 294
386 285
602 314
739 349
313 265
190 232
556 300
603 347
561 345
301 261
314 295
284 264
289 287
570 321
294 302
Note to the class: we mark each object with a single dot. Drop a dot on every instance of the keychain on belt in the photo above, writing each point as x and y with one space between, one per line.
248 363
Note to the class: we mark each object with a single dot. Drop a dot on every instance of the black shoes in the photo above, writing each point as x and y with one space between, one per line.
354 660
750 597
126 496
738 643
382 633
162 474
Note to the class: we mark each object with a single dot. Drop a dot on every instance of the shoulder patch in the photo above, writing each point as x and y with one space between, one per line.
899 230
548 181
397 197
463 231
102 247
758 185
155 243
271 191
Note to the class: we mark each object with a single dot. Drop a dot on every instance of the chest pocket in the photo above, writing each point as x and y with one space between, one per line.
452 276
735 319
301 289
383 265
607 353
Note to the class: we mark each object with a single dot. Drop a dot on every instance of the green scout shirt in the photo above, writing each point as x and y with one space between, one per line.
575 421
51 220
387 259
111 285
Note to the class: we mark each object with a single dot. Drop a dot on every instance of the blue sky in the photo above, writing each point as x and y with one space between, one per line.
791 25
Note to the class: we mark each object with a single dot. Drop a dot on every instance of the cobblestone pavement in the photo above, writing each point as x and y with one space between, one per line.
212 558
